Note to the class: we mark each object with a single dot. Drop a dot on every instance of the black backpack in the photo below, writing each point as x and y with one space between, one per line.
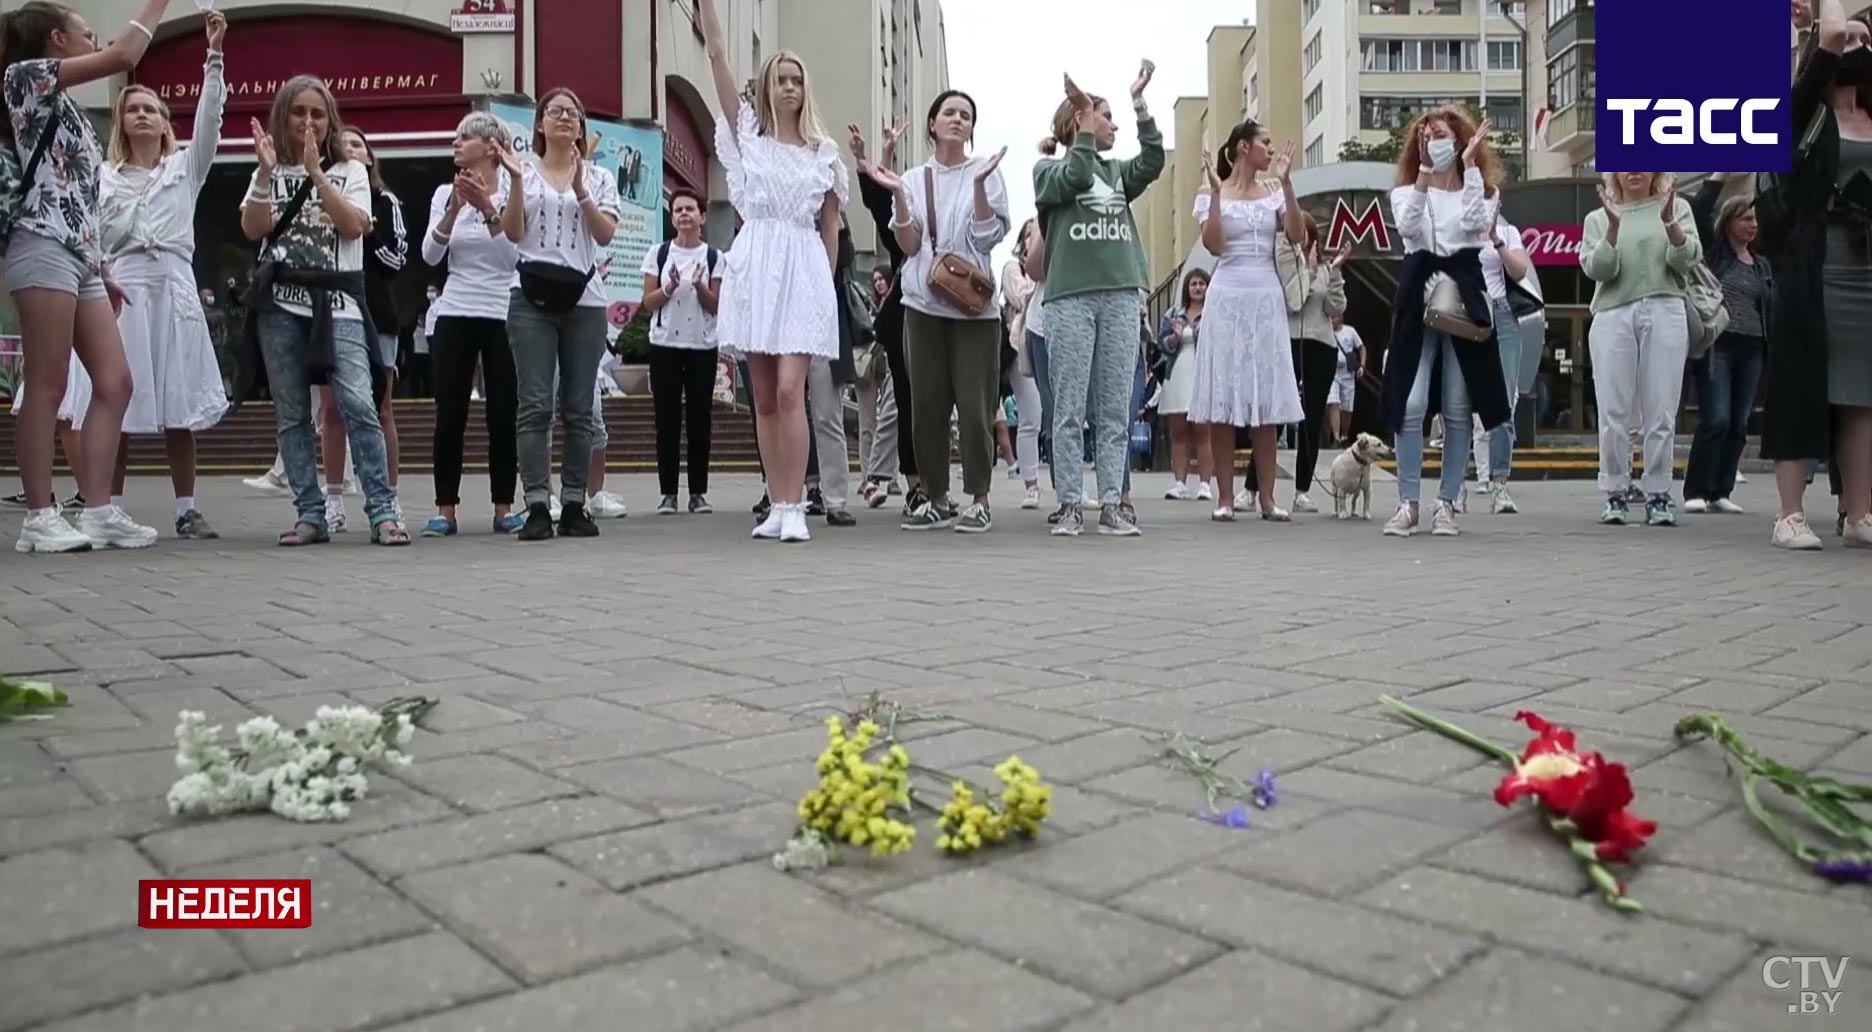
662 259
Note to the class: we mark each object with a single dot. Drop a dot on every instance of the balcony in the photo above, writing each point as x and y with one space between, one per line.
1572 127
1574 28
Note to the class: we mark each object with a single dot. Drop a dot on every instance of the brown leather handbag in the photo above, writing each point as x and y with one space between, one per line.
953 277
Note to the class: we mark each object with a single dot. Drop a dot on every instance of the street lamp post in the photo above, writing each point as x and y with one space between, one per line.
1527 153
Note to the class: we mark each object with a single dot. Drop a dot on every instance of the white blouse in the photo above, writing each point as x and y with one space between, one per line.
1492 270
556 230
154 209
480 258
1444 221
957 229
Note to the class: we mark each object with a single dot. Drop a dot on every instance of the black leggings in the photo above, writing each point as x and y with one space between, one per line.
682 378
1315 364
457 344
900 389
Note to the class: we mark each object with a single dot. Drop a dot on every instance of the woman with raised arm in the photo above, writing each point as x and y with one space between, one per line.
309 206
1244 366
56 269
470 320
1095 283
952 208
778 304
565 210
1819 372
1448 188
889 321
147 196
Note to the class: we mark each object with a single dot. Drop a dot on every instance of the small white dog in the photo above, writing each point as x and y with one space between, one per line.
1350 477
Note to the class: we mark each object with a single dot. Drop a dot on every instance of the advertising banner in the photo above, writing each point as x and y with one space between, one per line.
634 154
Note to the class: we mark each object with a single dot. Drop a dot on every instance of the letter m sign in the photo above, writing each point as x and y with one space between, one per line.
1687 86
1369 223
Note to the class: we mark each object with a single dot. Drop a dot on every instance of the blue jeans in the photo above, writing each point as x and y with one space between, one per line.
1726 379
1502 438
284 339
1457 431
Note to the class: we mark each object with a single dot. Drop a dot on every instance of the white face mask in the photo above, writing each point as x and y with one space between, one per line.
1442 154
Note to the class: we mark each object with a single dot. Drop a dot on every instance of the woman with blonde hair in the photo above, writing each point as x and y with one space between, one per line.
148 188
779 308
309 207
1638 248
1445 203
1727 376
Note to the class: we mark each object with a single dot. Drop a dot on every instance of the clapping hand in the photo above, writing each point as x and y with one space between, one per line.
1475 142
1209 174
1669 211
1609 206
1080 102
469 191
1145 71
264 151
1283 162
578 178
856 141
887 152
309 156
989 166
675 280
508 159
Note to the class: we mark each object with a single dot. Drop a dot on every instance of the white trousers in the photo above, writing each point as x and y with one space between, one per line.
1027 435
877 426
826 412
1638 354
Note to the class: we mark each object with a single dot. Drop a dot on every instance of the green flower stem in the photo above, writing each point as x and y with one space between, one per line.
1204 768
1582 849
1824 799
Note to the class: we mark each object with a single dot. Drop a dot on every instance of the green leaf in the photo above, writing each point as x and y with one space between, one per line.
19 696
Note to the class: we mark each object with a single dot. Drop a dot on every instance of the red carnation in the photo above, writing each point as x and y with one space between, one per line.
1582 787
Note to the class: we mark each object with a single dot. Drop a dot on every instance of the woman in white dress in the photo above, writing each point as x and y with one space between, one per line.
147 192
1244 368
1177 335
778 305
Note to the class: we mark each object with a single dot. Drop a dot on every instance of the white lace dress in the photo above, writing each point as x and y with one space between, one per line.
777 296
1244 365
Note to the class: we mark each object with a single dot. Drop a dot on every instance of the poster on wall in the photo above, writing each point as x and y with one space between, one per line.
634 154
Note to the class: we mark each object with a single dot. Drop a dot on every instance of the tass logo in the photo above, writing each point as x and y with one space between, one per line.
1690 86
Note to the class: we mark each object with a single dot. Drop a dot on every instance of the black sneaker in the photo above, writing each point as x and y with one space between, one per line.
1071 522
539 523
930 516
574 521
815 503
75 503
762 508
1054 517
913 501
14 501
195 527
698 505
667 506
976 519
840 518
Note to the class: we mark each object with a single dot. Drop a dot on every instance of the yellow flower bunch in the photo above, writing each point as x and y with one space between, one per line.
854 796
967 825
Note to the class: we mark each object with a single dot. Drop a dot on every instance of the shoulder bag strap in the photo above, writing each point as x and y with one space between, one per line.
929 204
290 213
44 144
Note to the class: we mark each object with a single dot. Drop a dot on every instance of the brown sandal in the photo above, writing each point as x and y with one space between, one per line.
390 533
304 533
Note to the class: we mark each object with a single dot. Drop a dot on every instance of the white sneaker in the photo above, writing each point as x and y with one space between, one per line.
1032 499
1724 506
1302 503
1740 479
1695 507
793 524
769 528
1013 472
1858 535
1503 503
1793 534
1404 523
334 513
112 527
44 530
269 482
553 506
1205 492
606 506
351 487
1443 521
1247 500
1177 493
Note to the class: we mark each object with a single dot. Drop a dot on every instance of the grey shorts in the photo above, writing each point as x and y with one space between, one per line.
40 262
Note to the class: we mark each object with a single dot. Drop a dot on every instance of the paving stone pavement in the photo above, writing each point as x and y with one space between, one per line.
626 724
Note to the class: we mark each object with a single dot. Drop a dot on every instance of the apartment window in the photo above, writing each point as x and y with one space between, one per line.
1560 10
1315 103
1385 113
1504 55
1316 152
1308 9
1387 7
1311 57
1254 87
1571 79
1446 7
1419 55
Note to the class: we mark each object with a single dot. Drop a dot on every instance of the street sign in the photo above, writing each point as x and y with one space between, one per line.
481 16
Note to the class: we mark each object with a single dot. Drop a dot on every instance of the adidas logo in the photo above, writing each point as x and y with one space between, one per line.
1102 229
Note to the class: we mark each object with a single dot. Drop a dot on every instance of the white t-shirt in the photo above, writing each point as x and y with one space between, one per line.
682 322
312 241
1036 311
1349 343
1492 270
480 259
555 226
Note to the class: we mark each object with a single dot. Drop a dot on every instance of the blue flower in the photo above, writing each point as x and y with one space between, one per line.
1845 869
1235 818
1264 788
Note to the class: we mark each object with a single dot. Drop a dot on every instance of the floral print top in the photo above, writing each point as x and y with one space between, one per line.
61 202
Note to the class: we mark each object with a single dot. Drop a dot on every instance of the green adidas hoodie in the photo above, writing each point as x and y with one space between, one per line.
1085 214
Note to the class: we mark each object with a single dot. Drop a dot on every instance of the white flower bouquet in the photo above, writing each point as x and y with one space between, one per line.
310 775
